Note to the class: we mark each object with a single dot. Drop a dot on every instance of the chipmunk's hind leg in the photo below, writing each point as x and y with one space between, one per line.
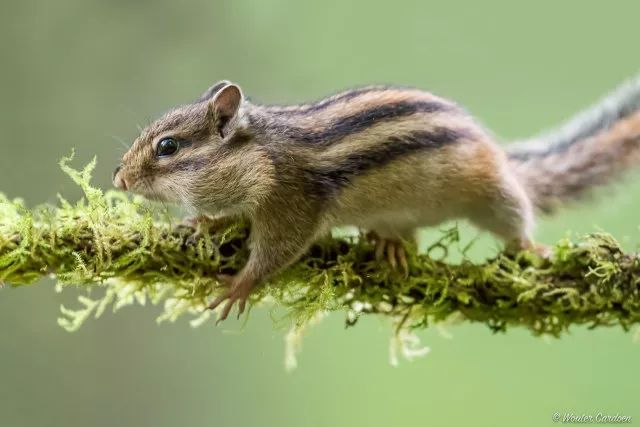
507 212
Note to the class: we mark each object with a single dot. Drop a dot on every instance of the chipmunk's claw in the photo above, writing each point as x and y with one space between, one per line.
196 223
242 303
394 251
237 291
193 238
201 223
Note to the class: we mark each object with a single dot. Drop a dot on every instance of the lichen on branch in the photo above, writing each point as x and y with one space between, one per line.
117 243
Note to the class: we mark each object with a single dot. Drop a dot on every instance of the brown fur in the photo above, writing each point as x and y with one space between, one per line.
593 149
383 159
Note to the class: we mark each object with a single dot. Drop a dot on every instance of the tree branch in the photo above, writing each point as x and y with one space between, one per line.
111 241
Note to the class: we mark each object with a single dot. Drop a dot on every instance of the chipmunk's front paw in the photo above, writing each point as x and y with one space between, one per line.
202 223
238 290
198 223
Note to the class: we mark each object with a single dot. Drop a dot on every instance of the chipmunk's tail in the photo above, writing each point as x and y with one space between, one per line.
591 149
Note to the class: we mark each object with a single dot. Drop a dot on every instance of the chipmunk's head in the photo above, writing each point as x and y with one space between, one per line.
201 155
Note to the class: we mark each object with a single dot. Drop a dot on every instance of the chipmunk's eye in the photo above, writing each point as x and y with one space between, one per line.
167 147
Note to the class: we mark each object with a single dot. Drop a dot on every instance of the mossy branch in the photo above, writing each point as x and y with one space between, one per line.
119 244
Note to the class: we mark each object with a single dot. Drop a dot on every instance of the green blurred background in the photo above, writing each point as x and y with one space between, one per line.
83 73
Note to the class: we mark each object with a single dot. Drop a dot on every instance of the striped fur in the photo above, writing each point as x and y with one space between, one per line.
347 97
309 154
595 147
381 158
328 180
359 121
324 103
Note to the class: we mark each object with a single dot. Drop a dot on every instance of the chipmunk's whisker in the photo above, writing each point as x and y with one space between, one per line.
121 141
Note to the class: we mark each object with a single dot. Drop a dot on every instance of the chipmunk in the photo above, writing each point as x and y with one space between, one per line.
384 159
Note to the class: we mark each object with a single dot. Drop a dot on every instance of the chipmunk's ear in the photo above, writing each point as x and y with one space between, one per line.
212 90
224 106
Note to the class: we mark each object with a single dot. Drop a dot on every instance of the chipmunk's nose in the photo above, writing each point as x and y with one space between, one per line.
118 181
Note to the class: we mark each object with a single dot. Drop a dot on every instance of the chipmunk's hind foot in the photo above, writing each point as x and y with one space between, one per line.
392 249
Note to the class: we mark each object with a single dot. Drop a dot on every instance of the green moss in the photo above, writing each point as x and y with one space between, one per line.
117 243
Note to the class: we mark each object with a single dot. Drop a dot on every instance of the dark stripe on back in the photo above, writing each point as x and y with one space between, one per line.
323 103
358 122
326 181
618 105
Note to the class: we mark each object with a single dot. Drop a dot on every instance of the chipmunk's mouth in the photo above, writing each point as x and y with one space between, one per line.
153 188
159 189
143 187
148 190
